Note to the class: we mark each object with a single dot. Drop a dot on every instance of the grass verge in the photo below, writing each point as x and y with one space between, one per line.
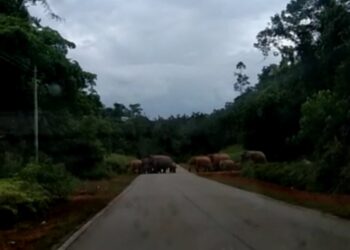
338 205
64 218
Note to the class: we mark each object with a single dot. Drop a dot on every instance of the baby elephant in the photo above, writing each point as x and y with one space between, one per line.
217 158
135 166
228 165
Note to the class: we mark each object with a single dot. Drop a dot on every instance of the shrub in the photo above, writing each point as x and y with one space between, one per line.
344 181
53 178
11 163
330 165
249 171
20 199
118 163
82 156
112 164
234 152
32 190
100 171
299 175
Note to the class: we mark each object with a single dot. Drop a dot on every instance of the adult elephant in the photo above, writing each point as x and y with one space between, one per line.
254 156
217 158
200 163
173 167
158 163
146 165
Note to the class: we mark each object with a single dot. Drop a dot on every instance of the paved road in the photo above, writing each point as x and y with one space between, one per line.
183 211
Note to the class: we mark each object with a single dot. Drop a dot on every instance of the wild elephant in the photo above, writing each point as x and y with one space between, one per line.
135 166
146 166
254 156
228 165
200 163
217 158
173 168
158 163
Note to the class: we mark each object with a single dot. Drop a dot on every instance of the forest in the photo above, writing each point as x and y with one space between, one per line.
298 113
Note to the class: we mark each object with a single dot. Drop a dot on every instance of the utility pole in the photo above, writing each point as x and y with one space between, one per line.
36 117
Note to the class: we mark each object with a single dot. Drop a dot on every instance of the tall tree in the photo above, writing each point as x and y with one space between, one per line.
242 80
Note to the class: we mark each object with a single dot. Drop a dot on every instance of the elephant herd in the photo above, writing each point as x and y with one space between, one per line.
223 162
153 164
212 162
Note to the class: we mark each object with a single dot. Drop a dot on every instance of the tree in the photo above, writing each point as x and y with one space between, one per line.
294 32
242 80
135 109
119 111
25 44
322 116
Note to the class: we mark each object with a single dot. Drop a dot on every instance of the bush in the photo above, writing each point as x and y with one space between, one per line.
112 164
53 178
20 199
82 156
330 165
234 152
299 175
344 181
11 163
250 171
118 163
32 190
101 171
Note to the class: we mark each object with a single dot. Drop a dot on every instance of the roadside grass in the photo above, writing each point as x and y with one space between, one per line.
66 217
234 151
338 205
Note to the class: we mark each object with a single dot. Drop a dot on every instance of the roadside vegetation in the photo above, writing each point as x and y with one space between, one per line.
33 190
234 151
294 182
55 224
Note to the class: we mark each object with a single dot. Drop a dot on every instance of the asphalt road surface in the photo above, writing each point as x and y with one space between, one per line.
183 211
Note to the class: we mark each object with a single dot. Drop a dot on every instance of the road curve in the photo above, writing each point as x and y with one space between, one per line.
182 211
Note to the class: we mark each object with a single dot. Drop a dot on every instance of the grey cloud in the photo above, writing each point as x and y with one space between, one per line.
170 56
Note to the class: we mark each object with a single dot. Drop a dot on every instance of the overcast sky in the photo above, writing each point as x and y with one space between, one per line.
171 56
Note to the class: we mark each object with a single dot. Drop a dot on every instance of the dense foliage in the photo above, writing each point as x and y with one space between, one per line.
299 109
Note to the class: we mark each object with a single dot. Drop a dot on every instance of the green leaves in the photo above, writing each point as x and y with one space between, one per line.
322 115
20 199
54 179
294 32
